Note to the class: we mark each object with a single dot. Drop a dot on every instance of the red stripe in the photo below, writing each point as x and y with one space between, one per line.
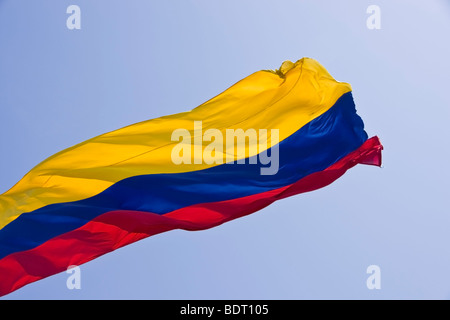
116 229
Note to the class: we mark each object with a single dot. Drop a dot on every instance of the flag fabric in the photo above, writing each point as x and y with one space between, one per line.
300 132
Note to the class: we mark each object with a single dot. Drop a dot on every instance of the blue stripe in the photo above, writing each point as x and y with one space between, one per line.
313 148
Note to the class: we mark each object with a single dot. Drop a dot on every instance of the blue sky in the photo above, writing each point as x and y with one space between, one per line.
137 60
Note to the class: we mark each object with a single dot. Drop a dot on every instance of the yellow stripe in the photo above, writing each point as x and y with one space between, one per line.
284 99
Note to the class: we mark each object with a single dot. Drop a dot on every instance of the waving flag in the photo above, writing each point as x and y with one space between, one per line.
269 136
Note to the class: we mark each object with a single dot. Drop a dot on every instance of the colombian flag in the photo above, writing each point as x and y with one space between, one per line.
300 133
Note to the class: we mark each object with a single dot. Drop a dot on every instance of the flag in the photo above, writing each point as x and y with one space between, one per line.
273 134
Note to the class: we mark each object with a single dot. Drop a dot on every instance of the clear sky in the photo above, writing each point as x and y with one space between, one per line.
137 60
